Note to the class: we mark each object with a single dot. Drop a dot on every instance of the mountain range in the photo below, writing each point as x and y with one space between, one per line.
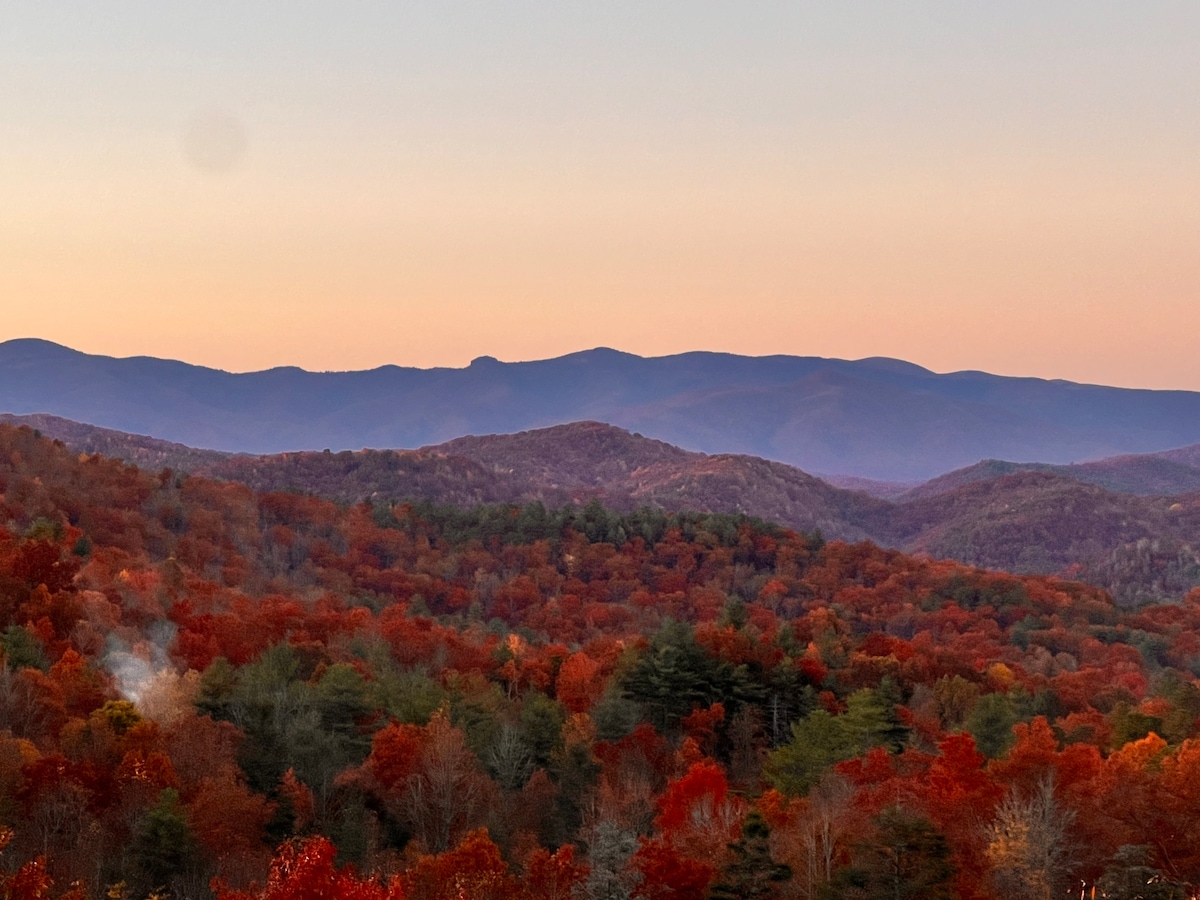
1137 541
879 419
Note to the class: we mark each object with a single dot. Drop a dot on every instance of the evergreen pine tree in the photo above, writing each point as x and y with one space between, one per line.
751 874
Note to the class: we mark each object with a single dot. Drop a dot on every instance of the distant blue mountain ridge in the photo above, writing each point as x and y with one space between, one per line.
872 418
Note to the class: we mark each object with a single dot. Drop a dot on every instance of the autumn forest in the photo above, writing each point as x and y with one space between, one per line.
209 691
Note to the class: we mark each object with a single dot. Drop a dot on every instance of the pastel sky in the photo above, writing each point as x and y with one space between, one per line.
1010 186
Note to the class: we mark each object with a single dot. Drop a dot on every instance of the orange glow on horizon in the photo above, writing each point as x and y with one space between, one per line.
960 192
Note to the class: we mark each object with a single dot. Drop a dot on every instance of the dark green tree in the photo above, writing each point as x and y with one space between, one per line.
575 772
907 859
23 649
1130 725
818 741
615 715
1184 698
821 739
870 719
163 848
541 722
991 723
341 699
675 676
1130 876
751 873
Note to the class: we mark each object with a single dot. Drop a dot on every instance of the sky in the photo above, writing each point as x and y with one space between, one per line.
1013 187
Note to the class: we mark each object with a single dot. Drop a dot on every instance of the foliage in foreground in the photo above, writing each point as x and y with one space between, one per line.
210 690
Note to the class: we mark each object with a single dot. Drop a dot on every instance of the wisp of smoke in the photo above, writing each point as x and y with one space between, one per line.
135 667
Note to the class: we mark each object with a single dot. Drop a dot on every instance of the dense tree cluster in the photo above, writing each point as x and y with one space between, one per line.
206 690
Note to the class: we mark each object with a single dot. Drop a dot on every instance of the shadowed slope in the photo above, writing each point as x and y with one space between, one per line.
1151 475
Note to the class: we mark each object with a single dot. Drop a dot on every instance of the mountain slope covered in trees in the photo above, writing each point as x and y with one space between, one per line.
1028 521
205 689
1150 474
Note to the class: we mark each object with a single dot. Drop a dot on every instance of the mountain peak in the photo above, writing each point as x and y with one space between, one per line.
31 345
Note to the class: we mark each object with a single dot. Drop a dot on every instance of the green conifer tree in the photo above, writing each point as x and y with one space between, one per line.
751 873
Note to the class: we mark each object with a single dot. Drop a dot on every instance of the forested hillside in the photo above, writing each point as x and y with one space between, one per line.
211 690
1150 475
1030 520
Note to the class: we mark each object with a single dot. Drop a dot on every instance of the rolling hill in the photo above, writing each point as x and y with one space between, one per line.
1150 474
563 464
1030 522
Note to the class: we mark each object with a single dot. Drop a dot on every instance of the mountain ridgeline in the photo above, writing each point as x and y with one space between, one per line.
1140 545
871 418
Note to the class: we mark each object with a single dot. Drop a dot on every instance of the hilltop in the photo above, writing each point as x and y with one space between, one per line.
994 514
